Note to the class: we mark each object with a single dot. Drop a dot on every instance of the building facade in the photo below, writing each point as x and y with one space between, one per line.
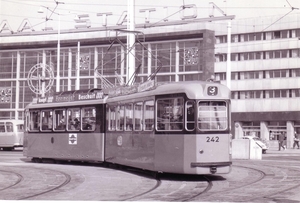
80 59
265 66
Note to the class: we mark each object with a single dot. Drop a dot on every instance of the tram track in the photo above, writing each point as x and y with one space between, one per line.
282 192
18 175
67 181
158 183
201 192
30 182
249 181
175 187
217 193
271 183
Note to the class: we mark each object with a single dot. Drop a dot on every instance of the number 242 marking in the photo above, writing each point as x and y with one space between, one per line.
212 139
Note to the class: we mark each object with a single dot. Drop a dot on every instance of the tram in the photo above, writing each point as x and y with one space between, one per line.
11 134
180 127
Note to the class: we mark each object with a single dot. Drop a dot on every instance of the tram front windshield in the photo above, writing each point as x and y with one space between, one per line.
212 115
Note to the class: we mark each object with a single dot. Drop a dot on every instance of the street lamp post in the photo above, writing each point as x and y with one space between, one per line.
58 57
58 46
58 42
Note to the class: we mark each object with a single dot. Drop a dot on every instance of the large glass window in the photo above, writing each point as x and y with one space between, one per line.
138 116
186 54
73 119
34 120
170 114
2 127
190 115
149 115
212 115
128 117
59 121
88 118
20 128
47 120
120 117
9 127
111 118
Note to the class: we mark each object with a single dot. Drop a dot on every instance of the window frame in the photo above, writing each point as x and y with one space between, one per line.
73 125
211 121
32 122
90 120
61 121
168 120
152 122
43 111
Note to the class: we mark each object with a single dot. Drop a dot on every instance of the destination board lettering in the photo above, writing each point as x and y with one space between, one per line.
64 98
88 96
45 100
69 97
131 89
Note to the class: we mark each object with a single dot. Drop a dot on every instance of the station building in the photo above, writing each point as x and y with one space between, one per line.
264 61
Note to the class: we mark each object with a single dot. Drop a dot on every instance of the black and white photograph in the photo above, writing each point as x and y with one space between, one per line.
150 101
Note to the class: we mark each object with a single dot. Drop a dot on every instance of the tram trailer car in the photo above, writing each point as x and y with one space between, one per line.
11 134
181 127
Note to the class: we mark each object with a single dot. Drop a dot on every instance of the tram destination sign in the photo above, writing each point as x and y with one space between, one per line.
70 97
118 91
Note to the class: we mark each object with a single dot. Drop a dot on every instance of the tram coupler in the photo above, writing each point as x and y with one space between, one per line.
213 169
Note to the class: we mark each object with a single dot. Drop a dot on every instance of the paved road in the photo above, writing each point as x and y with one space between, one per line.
275 178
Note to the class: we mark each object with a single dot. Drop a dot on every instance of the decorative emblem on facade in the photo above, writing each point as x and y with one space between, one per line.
5 95
84 61
40 78
191 56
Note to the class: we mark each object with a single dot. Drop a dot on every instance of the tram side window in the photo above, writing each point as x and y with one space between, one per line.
20 128
149 115
59 123
88 115
34 120
47 120
9 127
111 117
170 114
120 117
73 119
138 116
212 115
190 115
128 117
2 127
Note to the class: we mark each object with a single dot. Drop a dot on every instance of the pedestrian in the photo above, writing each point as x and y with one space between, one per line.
284 142
281 141
296 141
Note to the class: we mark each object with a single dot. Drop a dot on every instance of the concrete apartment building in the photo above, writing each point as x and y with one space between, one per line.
265 71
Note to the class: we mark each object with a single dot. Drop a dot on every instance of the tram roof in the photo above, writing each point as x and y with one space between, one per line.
192 89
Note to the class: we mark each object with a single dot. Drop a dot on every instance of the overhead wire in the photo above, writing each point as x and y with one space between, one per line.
26 2
293 8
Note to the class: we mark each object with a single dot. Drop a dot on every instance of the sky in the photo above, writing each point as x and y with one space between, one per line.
15 11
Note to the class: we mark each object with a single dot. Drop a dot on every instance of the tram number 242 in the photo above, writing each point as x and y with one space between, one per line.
212 139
